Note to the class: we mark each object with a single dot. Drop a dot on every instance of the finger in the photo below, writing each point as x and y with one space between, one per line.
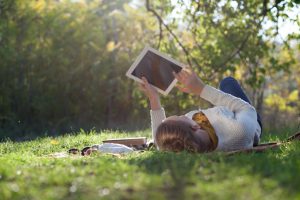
184 77
188 68
141 83
179 76
147 84
145 80
182 89
142 87
148 87
184 74
175 74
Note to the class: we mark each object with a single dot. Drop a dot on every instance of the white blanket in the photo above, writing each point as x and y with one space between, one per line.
112 148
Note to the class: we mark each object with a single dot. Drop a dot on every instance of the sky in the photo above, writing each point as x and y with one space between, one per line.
284 27
287 27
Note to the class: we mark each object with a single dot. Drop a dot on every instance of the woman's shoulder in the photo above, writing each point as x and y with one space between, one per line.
191 113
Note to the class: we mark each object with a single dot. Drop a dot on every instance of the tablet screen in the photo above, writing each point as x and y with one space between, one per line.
156 69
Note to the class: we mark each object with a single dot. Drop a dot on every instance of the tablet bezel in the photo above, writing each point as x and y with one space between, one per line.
138 60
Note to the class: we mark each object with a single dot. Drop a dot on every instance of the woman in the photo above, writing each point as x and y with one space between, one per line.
232 124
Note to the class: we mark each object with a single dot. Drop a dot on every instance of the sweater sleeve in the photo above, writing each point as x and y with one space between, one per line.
157 116
240 130
220 98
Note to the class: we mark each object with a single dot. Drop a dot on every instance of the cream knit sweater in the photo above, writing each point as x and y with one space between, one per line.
233 119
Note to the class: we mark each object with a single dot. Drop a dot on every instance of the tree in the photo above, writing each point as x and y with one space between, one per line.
226 37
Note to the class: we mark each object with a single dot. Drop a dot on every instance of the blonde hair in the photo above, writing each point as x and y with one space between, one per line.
178 136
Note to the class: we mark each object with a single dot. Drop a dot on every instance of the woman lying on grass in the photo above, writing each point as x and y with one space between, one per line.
232 124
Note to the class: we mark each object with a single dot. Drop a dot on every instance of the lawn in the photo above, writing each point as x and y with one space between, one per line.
28 172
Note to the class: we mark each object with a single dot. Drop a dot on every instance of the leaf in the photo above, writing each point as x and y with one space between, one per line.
110 46
54 142
293 96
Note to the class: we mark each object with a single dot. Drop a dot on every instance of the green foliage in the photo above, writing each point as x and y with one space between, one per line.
28 172
63 62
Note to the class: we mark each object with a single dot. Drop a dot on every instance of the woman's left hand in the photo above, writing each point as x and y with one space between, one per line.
190 81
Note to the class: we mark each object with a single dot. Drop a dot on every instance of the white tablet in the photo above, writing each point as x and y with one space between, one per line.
157 68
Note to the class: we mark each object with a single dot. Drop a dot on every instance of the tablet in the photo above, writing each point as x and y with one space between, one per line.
157 68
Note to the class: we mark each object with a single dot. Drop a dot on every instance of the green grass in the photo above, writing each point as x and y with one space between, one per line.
26 172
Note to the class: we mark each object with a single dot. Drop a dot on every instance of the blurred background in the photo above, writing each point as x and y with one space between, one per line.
63 62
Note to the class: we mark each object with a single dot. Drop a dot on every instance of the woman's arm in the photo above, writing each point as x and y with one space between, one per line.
157 117
220 98
152 94
194 85
157 112
241 128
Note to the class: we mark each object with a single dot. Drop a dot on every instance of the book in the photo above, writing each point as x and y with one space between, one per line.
130 142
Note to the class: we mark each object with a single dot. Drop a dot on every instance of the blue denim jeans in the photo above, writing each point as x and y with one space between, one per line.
231 86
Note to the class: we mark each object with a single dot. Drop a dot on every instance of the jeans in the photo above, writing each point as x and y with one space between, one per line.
231 86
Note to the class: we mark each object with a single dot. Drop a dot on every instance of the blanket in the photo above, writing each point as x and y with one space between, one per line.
266 146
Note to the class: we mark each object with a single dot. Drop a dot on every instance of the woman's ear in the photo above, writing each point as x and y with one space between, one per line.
195 127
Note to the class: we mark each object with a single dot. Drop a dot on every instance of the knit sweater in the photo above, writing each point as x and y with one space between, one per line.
233 119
